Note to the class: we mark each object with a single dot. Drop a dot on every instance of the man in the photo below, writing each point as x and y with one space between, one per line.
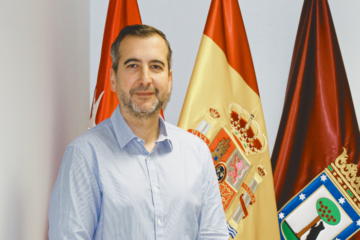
133 176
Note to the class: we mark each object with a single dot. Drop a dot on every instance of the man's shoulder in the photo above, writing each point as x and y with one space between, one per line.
96 136
178 134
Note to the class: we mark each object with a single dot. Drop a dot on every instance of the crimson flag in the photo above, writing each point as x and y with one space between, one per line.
121 13
318 118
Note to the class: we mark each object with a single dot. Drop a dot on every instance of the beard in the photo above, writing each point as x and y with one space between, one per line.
142 112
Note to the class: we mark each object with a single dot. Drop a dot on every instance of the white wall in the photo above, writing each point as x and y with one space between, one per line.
44 102
271 29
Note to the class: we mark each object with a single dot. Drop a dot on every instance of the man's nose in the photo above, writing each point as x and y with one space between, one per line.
145 77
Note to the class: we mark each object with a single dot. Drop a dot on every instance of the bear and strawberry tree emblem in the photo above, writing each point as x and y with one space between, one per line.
327 211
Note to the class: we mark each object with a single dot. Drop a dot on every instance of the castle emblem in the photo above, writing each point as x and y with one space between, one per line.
220 149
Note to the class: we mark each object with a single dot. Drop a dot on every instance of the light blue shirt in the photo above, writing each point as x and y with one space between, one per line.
110 187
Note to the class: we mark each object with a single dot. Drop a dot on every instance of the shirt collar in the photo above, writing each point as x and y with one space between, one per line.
163 135
124 134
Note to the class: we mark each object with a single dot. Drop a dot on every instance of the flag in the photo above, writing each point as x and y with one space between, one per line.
223 108
318 117
121 13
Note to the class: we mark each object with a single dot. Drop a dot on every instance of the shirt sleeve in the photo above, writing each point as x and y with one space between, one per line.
212 220
75 200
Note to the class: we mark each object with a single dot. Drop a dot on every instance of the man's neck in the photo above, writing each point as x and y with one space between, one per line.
147 129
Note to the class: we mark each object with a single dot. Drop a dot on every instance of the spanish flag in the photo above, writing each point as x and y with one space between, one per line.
223 108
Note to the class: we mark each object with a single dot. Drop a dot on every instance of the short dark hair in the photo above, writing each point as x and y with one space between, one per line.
138 31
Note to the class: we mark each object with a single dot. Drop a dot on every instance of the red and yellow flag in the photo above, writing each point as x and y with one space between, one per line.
223 107
121 13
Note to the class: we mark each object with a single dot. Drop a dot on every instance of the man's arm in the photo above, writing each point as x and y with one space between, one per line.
75 200
212 221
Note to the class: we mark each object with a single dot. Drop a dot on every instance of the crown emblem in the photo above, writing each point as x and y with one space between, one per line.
345 175
246 130
261 171
214 113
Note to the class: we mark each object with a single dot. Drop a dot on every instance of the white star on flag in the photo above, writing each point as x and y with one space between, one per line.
358 222
323 178
342 200
281 215
302 197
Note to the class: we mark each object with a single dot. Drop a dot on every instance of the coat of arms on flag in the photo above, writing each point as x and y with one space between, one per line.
229 153
327 208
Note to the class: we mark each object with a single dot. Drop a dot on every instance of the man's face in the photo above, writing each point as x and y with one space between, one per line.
143 81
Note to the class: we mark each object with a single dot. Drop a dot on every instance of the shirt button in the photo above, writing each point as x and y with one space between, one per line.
139 140
155 189
159 222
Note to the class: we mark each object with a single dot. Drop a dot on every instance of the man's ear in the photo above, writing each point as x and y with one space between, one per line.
112 80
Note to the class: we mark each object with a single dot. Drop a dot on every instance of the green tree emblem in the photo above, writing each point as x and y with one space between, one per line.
328 211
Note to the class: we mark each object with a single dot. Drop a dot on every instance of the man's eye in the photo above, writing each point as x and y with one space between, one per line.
132 66
156 67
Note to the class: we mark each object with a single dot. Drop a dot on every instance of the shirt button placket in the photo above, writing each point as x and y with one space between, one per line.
159 231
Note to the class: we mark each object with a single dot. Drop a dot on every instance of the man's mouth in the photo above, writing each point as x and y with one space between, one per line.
143 94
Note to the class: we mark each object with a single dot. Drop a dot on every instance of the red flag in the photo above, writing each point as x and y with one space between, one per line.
121 13
318 118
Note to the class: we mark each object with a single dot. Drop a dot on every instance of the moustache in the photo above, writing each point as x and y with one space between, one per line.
143 88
